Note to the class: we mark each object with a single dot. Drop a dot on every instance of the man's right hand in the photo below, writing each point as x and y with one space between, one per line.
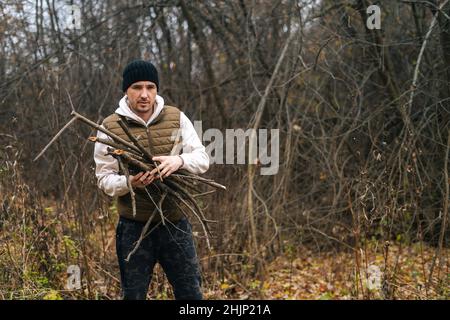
142 179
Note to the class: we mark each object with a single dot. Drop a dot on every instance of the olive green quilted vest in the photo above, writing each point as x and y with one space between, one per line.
158 138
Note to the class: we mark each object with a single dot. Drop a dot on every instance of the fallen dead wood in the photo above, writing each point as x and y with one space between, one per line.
132 158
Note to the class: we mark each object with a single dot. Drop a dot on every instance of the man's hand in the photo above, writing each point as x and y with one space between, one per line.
169 164
142 179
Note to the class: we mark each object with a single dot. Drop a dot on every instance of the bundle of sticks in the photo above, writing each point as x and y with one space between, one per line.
181 187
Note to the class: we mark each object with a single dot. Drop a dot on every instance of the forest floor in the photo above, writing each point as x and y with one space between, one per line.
369 273
333 275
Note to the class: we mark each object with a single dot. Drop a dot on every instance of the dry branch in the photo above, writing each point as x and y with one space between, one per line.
134 155
136 142
54 138
113 144
105 131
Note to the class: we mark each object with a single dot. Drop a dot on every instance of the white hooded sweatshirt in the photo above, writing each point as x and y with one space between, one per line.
195 158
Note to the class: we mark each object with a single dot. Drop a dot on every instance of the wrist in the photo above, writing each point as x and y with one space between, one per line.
182 161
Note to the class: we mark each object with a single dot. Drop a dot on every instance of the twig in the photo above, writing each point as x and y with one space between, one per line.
419 58
158 207
128 159
191 185
144 151
55 137
142 236
444 217
178 196
206 181
203 194
189 197
133 139
109 133
112 144
130 187
70 100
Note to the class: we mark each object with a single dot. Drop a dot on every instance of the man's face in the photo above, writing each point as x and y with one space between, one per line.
141 98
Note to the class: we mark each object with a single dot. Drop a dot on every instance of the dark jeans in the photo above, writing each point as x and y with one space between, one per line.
172 246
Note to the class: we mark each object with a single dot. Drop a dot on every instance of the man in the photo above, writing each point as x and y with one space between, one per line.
170 244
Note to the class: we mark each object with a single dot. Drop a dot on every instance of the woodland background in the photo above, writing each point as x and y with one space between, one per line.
364 143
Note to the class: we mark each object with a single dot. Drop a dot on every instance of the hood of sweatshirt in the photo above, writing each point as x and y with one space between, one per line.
125 110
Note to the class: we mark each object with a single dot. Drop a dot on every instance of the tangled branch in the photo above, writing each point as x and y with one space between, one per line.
178 187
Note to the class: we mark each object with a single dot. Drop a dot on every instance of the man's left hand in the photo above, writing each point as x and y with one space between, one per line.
168 165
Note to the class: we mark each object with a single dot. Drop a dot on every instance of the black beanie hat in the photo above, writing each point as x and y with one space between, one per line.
139 70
